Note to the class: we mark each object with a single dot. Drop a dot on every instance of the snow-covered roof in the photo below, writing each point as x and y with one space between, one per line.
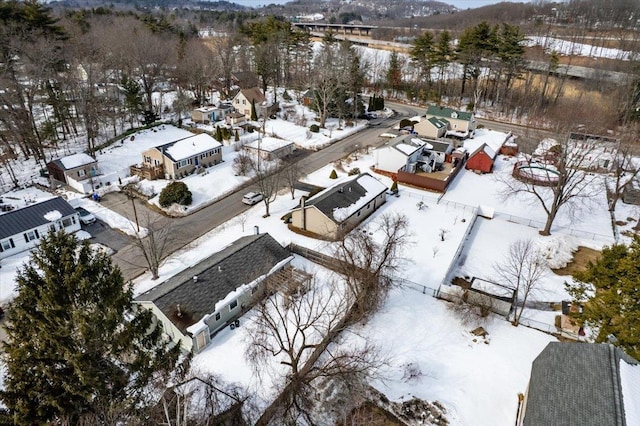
33 216
492 139
189 146
76 160
347 196
630 383
269 144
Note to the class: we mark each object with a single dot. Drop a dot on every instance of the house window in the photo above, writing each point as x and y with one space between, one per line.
7 244
67 222
147 160
217 316
52 228
183 163
31 235
244 102
233 305
369 205
81 173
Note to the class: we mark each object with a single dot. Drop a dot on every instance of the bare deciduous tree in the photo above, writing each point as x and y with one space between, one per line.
297 326
625 166
368 264
574 186
267 179
291 174
154 247
522 269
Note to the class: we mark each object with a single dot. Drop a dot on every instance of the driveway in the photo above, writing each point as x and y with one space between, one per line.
103 234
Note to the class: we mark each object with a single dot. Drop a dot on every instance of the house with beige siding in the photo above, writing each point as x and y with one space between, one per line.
440 121
336 210
245 97
193 305
182 157
77 167
270 148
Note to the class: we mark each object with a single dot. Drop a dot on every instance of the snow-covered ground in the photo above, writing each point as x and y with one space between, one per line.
478 381
567 48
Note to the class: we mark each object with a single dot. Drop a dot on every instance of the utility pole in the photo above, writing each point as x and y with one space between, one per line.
129 192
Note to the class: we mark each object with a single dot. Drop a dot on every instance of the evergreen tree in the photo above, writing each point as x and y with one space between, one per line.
394 73
77 347
237 136
218 135
254 114
608 291
132 97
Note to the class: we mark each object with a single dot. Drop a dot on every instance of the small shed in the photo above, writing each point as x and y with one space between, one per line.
75 167
482 159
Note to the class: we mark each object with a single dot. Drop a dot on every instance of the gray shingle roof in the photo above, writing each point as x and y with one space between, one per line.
240 263
576 384
27 218
341 195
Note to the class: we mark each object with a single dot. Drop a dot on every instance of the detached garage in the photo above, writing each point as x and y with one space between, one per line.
482 159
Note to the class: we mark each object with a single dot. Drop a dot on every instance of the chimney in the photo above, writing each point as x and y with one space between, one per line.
303 203
178 311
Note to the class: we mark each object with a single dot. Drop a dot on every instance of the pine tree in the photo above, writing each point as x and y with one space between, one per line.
218 135
333 174
608 293
77 346
237 136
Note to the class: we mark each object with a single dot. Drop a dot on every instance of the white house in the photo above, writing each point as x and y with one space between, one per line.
270 148
398 152
21 229
204 298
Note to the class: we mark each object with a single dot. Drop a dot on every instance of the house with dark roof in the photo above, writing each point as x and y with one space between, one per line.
245 97
340 207
204 298
73 170
22 229
582 384
179 158
440 121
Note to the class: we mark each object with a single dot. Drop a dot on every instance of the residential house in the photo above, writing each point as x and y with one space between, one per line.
211 114
181 157
235 118
22 229
244 79
397 153
204 298
341 207
455 123
204 115
245 98
581 384
269 148
73 170
307 97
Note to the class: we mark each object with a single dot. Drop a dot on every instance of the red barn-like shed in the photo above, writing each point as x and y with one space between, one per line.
481 160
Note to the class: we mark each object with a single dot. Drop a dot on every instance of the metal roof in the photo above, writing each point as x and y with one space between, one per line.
444 112
30 217
240 263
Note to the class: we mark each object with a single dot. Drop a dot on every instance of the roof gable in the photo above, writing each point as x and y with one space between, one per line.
444 112
253 94
188 147
340 201
33 216
576 384
240 263
74 161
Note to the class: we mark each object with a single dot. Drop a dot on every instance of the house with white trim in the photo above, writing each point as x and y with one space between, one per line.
270 148
180 157
195 304
22 229
336 210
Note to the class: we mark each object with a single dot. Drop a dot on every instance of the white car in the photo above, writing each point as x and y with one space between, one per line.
86 217
252 198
